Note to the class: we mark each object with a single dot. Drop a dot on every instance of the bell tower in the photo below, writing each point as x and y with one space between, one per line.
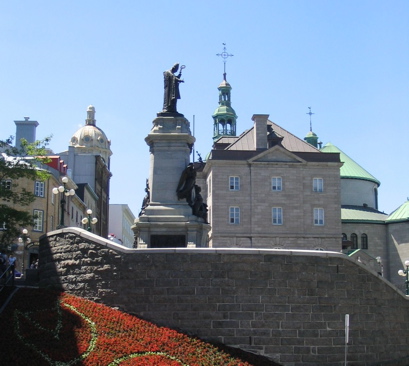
224 117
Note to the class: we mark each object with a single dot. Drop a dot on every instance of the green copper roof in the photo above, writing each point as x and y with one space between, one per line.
224 110
350 169
400 214
311 134
362 214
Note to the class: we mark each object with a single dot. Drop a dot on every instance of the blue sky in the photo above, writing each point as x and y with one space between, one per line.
348 60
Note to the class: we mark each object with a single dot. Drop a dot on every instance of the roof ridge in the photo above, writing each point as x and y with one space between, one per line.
290 133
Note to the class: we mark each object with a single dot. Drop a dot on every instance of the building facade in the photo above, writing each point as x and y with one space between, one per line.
269 189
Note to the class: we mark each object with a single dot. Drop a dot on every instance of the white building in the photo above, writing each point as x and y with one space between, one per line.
121 219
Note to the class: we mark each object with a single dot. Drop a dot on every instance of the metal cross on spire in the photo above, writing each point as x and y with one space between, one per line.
224 55
310 113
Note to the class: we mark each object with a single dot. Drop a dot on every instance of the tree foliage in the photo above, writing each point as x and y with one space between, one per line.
18 164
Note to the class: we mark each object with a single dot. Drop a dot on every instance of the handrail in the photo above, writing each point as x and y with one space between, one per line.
9 279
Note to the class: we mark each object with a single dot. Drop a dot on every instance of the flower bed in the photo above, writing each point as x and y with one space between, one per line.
40 327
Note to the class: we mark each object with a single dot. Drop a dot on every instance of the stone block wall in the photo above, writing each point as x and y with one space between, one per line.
287 305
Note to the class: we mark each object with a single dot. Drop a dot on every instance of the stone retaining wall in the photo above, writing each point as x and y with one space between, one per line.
286 305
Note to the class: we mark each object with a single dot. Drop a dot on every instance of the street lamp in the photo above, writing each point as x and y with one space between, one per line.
405 273
88 220
64 192
25 240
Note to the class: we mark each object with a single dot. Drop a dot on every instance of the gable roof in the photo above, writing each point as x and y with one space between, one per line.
350 169
243 148
290 142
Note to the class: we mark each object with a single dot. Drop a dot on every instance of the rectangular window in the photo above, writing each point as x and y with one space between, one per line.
318 216
38 220
318 185
6 184
234 215
234 183
276 184
277 213
38 188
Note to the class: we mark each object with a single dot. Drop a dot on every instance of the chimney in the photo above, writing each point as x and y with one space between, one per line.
260 130
25 130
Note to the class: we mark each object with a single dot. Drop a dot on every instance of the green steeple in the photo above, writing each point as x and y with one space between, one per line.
311 137
224 117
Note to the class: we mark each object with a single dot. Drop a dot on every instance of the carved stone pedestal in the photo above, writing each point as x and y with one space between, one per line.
167 222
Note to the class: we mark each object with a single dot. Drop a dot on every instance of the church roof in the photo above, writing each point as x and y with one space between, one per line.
350 169
400 214
362 214
290 142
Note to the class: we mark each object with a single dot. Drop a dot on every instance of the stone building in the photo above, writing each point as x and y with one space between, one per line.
384 238
269 189
88 160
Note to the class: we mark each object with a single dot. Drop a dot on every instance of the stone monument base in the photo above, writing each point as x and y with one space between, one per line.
171 226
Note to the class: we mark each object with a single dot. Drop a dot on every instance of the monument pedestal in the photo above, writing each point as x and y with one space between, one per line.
167 222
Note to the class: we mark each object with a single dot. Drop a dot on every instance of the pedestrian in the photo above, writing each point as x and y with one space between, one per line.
12 261
3 264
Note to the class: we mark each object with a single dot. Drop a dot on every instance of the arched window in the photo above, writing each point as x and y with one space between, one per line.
344 237
354 239
376 197
364 241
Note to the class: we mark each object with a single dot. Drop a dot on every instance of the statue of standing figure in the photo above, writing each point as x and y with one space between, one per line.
186 184
171 92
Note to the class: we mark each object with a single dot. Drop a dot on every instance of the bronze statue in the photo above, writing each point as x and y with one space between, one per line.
186 184
171 92
146 199
199 208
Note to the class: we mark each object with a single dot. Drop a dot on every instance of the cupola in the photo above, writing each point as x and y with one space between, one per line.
90 139
224 117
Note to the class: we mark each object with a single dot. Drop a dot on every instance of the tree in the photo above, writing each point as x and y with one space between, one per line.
16 165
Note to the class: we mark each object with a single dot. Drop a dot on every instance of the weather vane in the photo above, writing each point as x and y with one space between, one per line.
310 113
224 55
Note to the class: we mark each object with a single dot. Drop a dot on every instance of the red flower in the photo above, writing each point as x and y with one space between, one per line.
46 328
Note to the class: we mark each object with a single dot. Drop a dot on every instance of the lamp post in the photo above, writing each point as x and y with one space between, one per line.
63 191
405 273
88 220
25 240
